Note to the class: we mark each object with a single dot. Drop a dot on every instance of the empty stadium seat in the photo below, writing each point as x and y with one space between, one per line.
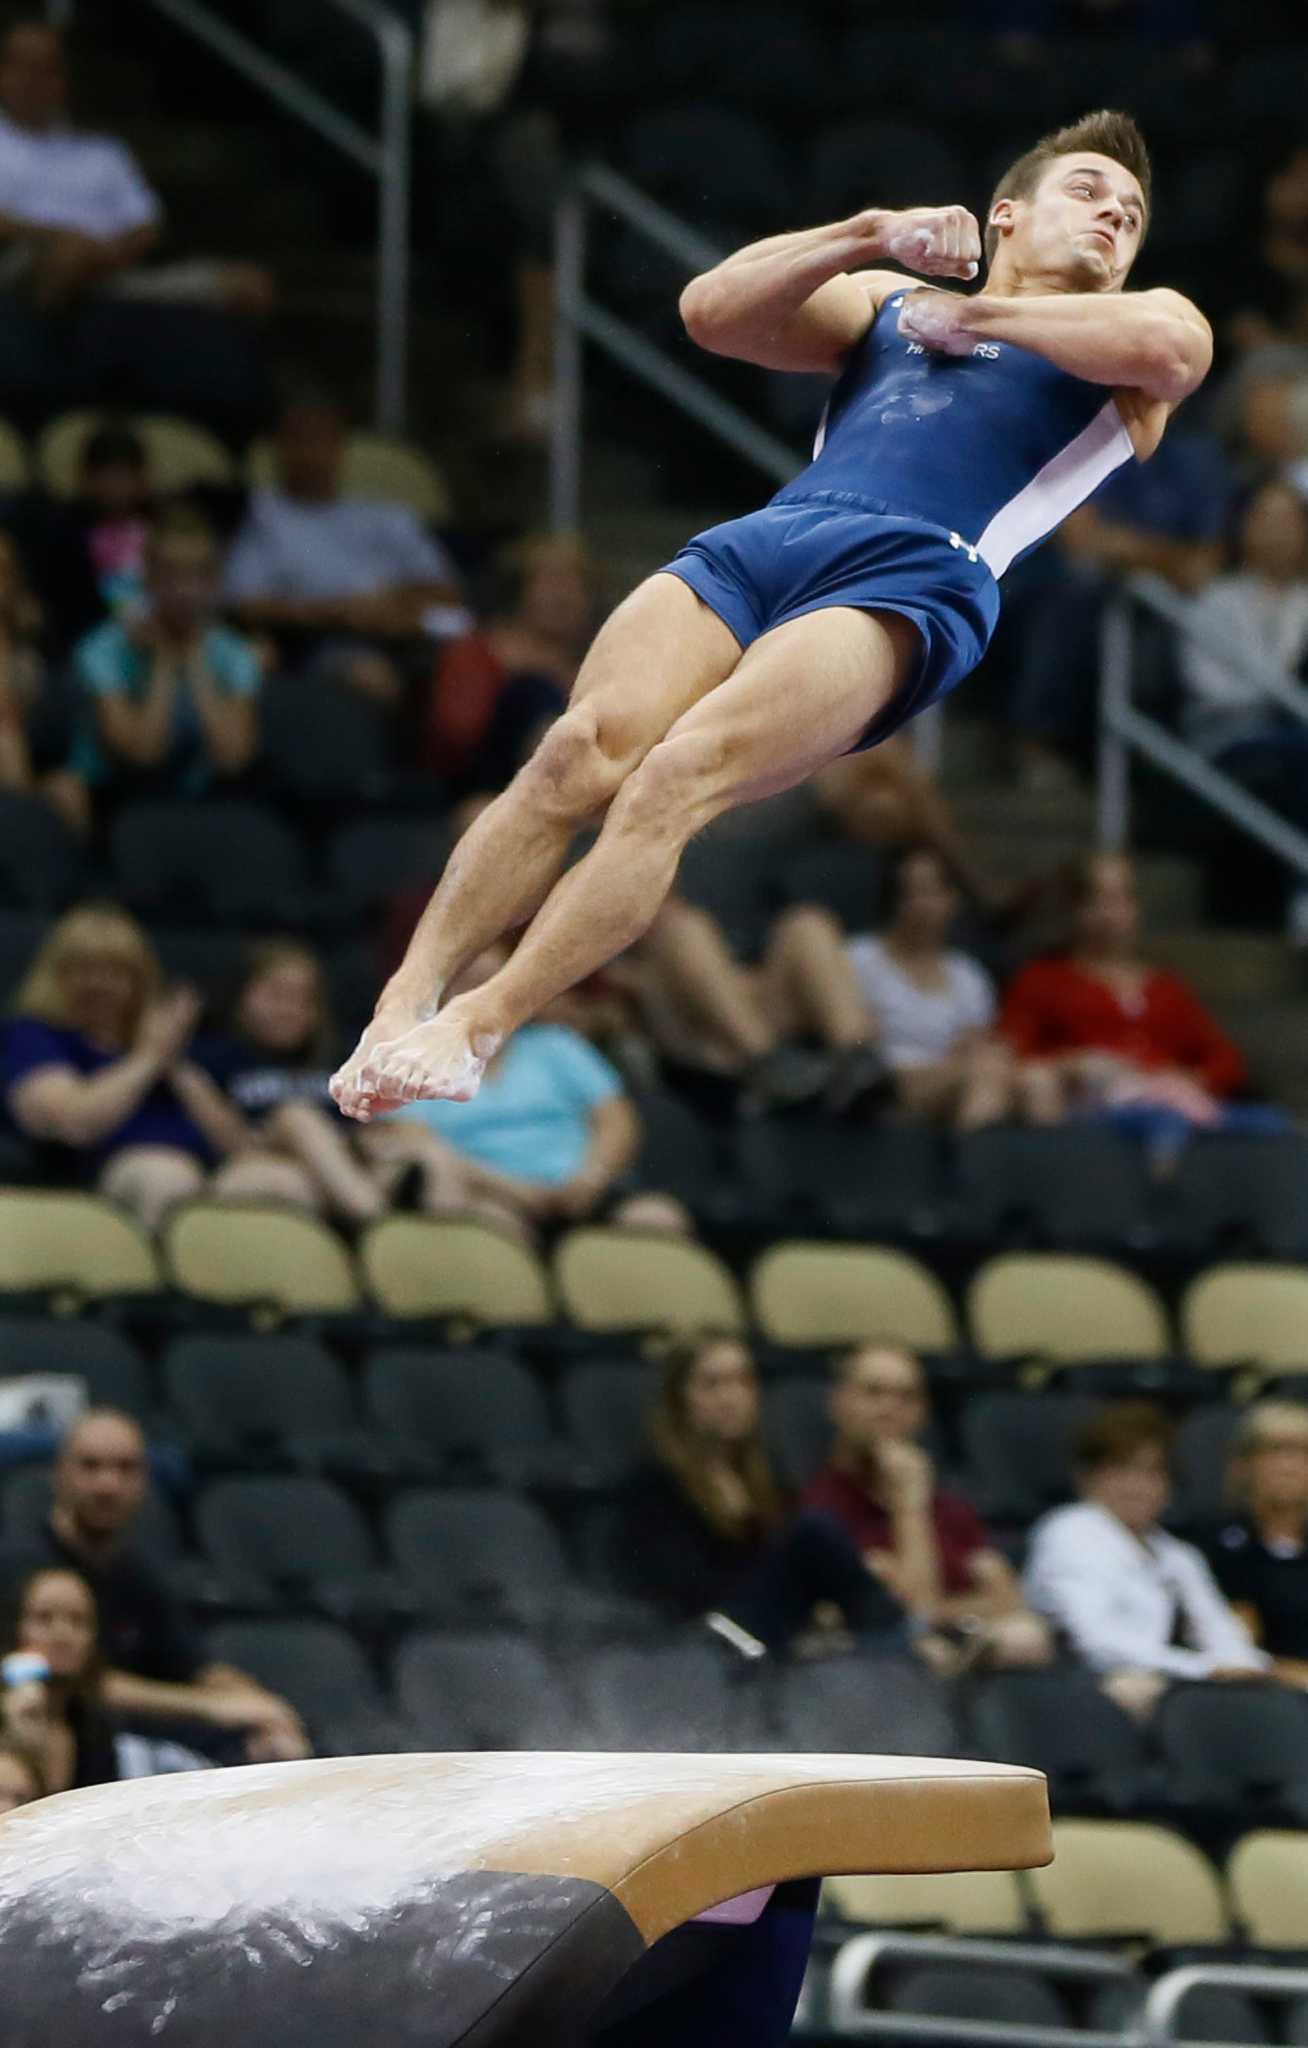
1060 1722
371 859
482 1690
15 466
798 1428
699 48
1115 1877
113 1371
1008 1997
1066 1188
1018 1448
1267 1873
862 1705
1248 1315
845 877
324 742
682 1155
251 1252
424 1266
1238 1749
605 1413
480 1556
1064 1309
320 1668
253 1400
21 932
716 164
811 1171
42 865
961 1901
1200 1457
733 884
466 1412
233 861
1239 1196
291 1542
74 1242
683 1695
611 1279
840 1294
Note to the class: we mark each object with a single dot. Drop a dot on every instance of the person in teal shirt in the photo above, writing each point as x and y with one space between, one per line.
170 696
551 1135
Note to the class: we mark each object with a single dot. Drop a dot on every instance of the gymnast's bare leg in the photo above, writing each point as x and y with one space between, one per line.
800 697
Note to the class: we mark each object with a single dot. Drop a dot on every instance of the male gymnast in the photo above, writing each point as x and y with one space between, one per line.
961 430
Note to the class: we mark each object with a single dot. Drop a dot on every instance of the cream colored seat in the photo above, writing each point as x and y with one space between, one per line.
960 1901
377 467
1112 1877
1064 1309
612 1279
259 1252
180 453
446 1266
1253 1314
78 1242
844 1293
1267 1874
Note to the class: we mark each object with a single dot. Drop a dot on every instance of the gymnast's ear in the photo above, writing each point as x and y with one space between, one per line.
1002 214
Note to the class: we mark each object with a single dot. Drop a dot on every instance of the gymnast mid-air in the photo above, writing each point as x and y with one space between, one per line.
961 430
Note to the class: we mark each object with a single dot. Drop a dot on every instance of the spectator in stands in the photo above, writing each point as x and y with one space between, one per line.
274 1063
887 799
1168 517
1267 286
1115 1035
926 1544
63 1707
22 670
1260 607
1140 1607
932 1011
788 1029
81 318
356 581
155 1669
20 1774
551 1137
89 551
494 689
1259 1553
172 696
95 1064
705 1531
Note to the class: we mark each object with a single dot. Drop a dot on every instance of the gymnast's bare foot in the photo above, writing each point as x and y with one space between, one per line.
444 1058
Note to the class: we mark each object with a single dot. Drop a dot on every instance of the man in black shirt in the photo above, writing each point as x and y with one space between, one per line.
155 1666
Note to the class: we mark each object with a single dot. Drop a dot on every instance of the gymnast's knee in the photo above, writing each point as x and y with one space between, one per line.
574 771
680 786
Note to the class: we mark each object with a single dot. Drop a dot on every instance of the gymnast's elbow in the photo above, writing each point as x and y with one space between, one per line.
705 315
1178 354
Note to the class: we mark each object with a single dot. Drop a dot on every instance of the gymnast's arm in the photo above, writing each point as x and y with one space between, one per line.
1154 342
789 303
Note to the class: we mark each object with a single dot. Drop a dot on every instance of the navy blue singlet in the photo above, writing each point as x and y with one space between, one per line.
931 475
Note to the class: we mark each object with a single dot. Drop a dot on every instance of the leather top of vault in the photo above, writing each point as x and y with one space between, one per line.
668 1834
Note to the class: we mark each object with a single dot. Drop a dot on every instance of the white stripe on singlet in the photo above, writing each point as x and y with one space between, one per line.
1065 482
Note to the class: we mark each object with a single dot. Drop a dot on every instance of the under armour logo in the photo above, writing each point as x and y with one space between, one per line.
956 541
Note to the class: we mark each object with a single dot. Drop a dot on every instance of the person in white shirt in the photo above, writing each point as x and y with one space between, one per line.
933 1010
81 316
1262 607
358 579
1140 1607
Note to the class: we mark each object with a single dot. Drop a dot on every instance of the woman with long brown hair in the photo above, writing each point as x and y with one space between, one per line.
707 1530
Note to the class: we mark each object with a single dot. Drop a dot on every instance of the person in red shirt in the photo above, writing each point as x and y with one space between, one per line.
927 1545
1110 1030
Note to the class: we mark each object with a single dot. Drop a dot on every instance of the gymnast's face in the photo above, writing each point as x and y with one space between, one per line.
1082 224
722 1394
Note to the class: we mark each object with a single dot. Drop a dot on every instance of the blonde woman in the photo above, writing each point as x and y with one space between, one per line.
1259 1553
95 1063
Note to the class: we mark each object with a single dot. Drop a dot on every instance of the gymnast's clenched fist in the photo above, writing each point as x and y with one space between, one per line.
936 241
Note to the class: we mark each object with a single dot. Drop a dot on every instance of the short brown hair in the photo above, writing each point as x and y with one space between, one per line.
1115 1435
1106 132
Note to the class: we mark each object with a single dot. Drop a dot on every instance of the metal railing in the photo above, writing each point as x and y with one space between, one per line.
580 318
385 154
1162 2008
850 2015
1125 730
